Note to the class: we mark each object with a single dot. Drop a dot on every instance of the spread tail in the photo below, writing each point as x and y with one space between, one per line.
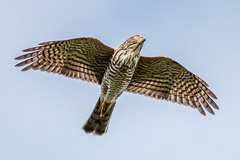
98 121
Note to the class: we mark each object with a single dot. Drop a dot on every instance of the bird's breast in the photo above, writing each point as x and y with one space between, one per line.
116 79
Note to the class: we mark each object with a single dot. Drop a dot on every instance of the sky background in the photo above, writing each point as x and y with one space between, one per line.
41 114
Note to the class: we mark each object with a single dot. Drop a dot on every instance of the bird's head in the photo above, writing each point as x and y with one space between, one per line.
133 44
129 50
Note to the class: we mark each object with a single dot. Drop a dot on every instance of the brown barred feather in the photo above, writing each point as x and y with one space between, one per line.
81 58
163 78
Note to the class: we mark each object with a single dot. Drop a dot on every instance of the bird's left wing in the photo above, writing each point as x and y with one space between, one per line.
81 58
163 78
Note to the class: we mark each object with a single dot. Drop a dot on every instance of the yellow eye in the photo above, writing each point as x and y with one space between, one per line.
136 37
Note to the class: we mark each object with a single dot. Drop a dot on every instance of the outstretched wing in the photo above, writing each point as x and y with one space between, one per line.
81 58
163 78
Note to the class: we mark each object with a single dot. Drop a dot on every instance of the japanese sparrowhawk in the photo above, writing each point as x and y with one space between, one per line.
118 70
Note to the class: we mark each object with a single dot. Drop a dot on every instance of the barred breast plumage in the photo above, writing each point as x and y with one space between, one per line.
115 82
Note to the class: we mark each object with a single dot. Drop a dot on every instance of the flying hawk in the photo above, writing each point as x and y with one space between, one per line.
118 70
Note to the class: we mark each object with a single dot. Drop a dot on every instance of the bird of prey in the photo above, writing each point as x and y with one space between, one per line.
118 70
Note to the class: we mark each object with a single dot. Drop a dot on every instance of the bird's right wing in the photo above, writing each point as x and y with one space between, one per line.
81 58
163 78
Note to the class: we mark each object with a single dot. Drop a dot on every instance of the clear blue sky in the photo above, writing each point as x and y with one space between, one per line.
41 114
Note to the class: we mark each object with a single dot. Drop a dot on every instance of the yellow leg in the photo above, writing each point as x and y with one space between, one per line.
108 108
101 108
104 108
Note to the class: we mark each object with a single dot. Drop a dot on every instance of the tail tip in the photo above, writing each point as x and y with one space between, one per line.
94 131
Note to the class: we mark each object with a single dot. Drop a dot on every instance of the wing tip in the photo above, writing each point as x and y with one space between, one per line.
46 43
216 106
212 112
203 113
18 65
24 69
202 81
27 68
19 58
25 50
213 96
30 49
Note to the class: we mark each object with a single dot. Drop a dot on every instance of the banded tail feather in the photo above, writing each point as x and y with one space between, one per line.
98 121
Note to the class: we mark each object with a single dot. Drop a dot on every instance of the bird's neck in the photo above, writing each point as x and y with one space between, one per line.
125 58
